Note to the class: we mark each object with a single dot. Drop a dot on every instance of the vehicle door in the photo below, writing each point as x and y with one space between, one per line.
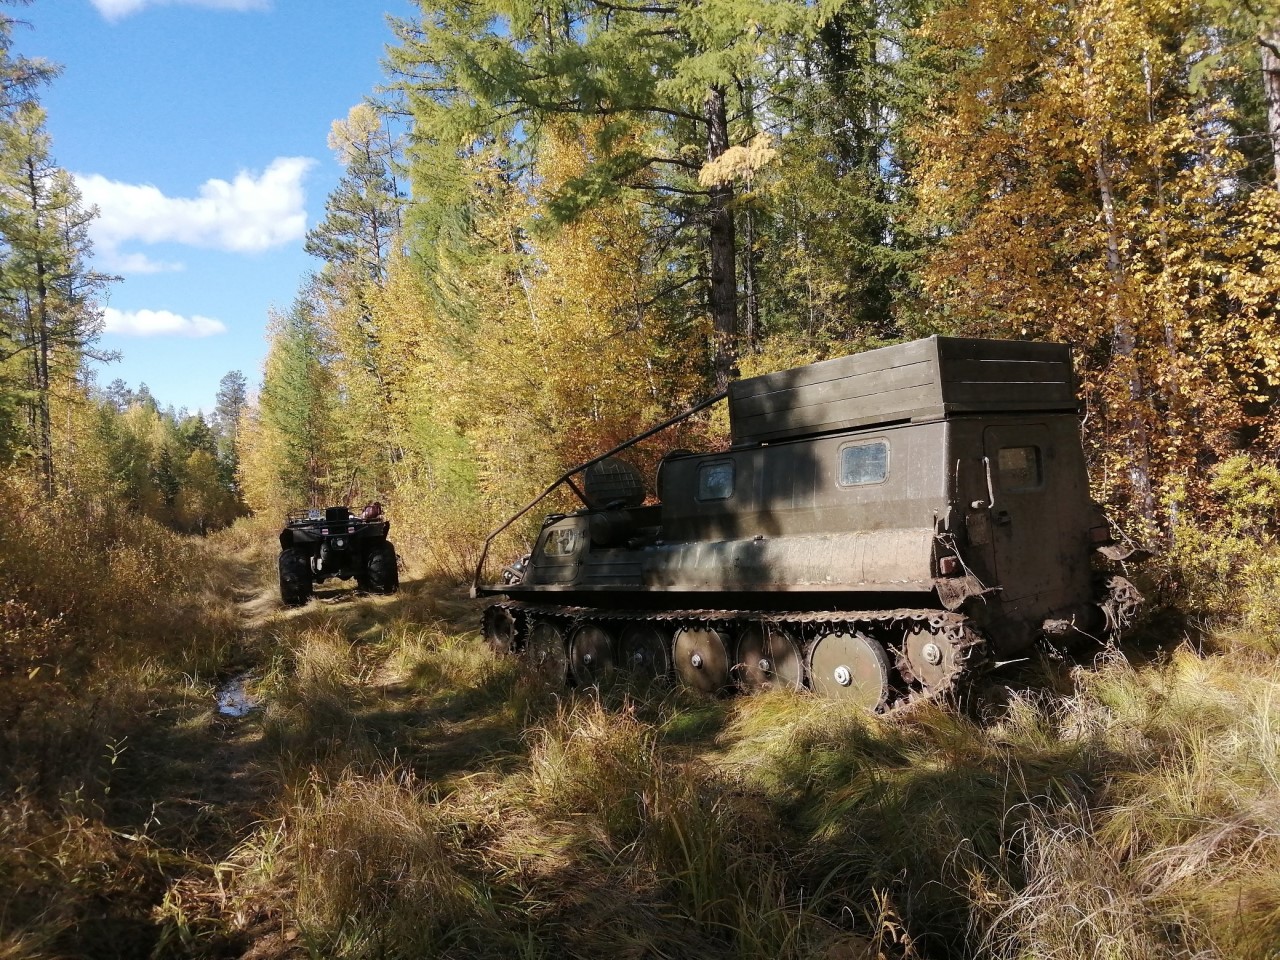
1025 506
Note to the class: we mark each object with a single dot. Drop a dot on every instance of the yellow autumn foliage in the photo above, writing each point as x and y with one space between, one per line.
1084 191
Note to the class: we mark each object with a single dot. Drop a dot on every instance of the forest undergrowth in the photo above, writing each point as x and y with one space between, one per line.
402 792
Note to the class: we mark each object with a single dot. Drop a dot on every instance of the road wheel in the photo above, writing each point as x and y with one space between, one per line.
768 658
591 657
380 573
702 659
644 651
295 577
848 665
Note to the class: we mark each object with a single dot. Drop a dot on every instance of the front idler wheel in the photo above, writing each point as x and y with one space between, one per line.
848 665
702 659
295 577
499 629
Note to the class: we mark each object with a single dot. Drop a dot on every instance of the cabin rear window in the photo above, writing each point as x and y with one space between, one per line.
715 481
862 463
1019 468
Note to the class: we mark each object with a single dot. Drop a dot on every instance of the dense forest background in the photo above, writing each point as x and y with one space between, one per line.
62 433
562 222
559 224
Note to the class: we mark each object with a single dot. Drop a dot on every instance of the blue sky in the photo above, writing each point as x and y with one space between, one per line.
198 128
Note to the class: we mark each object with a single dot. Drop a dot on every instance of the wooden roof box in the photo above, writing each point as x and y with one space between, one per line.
922 380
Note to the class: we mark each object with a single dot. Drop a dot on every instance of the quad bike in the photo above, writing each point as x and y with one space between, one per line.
316 545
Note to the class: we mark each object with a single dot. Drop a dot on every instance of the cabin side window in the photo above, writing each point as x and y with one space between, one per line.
864 463
561 542
715 480
1019 468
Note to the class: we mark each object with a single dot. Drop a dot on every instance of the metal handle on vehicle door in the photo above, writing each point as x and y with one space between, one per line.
1002 518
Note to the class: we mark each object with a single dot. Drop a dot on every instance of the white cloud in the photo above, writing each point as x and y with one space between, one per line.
158 323
119 9
136 263
247 215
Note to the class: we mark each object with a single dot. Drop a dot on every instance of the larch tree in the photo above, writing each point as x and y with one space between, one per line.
655 83
356 241
51 309
1082 188
296 407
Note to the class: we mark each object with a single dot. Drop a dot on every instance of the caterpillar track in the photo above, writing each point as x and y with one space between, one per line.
879 659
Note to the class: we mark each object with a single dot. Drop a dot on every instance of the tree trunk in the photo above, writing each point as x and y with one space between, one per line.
1124 344
1124 339
43 321
724 292
1269 40
750 256
750 288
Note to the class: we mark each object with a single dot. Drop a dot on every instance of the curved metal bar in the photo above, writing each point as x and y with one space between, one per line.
564 477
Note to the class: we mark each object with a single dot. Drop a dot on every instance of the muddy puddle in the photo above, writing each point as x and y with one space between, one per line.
234 698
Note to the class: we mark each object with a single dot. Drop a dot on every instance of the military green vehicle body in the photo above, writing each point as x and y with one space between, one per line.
881 526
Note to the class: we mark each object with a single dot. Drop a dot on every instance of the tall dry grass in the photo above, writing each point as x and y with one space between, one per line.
107 623
418 796
1126 811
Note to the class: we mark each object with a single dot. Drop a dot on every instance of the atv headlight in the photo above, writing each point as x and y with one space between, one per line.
339 542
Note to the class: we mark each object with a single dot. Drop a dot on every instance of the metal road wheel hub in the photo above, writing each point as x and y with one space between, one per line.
848 665
591 656
768 658
644 649
546 652
702 658
932 660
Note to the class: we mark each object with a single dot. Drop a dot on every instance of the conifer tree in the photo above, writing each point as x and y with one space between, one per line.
296 405
51 317
656 77
230 400
362 215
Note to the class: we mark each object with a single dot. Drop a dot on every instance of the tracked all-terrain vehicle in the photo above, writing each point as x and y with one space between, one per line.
318 544
882 527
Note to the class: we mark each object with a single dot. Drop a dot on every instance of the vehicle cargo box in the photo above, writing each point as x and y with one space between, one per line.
923 380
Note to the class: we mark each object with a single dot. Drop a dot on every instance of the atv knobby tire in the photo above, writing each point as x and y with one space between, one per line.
295 578
380 573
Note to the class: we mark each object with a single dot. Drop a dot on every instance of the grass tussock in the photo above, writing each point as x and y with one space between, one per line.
111 630
380 871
